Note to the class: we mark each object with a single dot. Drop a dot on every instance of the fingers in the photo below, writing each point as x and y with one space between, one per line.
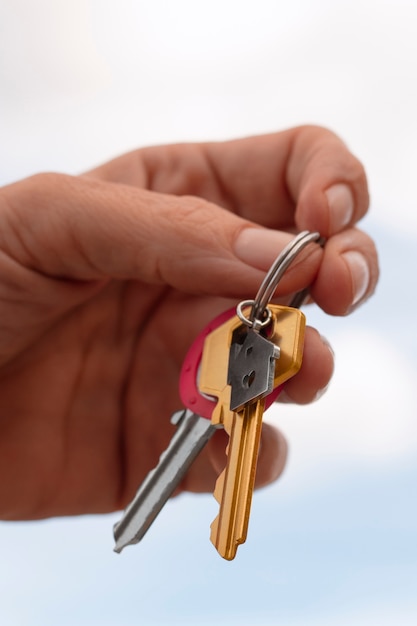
348 273
84 229
212 461
315 373
326 181
273 453
304 177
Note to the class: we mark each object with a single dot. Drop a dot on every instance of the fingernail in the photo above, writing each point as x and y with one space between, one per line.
328 345
360 274
285 398
259 247
320 393
340 200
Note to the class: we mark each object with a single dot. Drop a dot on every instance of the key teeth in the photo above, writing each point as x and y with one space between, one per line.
226 552
219 486
190 437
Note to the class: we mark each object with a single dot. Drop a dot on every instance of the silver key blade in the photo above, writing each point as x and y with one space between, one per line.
192 434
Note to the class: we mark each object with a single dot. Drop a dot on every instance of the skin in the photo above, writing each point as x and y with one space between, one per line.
105 280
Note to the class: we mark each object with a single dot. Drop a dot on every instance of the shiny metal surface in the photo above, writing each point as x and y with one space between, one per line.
189 439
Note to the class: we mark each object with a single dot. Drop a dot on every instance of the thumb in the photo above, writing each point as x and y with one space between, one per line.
83 229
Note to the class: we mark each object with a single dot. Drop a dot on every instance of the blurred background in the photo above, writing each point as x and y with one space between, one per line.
335 540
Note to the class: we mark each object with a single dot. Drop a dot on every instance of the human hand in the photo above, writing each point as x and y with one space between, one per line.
106 278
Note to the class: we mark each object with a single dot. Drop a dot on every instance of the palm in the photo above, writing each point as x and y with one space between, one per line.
91 401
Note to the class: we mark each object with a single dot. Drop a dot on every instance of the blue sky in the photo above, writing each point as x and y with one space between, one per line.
335 540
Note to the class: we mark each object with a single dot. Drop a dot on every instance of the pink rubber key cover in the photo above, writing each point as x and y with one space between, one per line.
189 393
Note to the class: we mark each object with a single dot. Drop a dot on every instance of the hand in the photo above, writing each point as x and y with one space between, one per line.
106 278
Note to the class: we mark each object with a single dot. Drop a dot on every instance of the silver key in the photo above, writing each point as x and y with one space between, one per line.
192 434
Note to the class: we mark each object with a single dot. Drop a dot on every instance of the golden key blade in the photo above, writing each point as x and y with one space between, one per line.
235 484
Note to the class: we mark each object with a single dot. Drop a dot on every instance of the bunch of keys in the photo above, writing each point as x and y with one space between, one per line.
233 371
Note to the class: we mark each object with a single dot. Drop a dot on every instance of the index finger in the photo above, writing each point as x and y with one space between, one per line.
303 178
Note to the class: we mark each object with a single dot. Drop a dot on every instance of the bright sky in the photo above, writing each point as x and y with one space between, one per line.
334 542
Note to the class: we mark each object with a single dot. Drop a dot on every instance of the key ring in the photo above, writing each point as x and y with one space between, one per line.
259 316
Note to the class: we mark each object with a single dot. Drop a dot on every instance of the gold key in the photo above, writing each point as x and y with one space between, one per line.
235 485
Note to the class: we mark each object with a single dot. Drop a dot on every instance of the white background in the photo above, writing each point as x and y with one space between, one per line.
335 541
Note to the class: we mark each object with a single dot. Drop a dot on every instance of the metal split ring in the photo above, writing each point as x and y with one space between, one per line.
260 315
